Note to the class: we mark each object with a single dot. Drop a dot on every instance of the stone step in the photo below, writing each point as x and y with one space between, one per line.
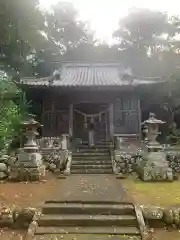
85 208
83 154
87 220
97 142
96 166
91 158
93 150
67 236
130 231
99 147
91 162
91 171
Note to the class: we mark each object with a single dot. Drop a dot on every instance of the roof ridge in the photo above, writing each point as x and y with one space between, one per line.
89 64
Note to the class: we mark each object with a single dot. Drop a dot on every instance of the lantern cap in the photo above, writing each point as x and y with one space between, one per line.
152 120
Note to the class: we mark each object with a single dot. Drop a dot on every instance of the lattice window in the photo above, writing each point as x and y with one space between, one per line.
126 116
47 121
62 122
126 104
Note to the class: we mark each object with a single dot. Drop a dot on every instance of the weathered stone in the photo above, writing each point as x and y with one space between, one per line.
4 159
6 218
29 160
3 175
124 162
176 213
28 174
3 167
23 217
168 216
52 167
173 159
152 212
154 167
3 171
152 131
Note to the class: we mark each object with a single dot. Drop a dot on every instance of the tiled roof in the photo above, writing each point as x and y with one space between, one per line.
87 75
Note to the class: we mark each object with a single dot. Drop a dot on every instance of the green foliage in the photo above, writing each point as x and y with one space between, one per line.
11 114
9 121
20 24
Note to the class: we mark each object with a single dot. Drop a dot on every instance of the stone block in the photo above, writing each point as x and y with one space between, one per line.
30 159
6 218
28 174
154 167
152 212
23 217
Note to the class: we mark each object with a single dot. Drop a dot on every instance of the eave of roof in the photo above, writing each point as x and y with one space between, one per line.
82 75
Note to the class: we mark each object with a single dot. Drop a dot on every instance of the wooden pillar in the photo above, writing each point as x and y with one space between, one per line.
71 120
139 117
53 116
111 122
42 119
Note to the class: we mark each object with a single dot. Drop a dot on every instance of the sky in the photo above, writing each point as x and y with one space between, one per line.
103 15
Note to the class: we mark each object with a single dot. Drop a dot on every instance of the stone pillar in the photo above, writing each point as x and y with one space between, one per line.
118 142
64 141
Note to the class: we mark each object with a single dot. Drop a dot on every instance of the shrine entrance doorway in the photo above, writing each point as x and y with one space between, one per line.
88 117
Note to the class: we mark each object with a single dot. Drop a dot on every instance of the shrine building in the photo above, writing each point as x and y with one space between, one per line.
77 94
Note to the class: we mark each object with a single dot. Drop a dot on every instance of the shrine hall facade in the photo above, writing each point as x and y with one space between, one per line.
79 93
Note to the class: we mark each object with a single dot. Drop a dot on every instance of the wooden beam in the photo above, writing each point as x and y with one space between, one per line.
71 120
139 118
111 118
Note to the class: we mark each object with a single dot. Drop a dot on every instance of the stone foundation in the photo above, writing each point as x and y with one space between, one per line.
154 167
28 174
29 167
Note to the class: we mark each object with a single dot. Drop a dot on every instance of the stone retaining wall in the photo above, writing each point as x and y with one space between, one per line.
55 159
173 159
17 218
124 163
159 217
21 218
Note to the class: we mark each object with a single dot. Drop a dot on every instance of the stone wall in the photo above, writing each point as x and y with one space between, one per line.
154 216
55 159
173 159
17 218
124 163
157 166
158 216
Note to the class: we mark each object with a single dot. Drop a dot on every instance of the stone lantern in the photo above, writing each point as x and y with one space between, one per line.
29 165
30 126
151 127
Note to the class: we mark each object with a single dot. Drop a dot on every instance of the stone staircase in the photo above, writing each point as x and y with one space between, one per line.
87 220
96 160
